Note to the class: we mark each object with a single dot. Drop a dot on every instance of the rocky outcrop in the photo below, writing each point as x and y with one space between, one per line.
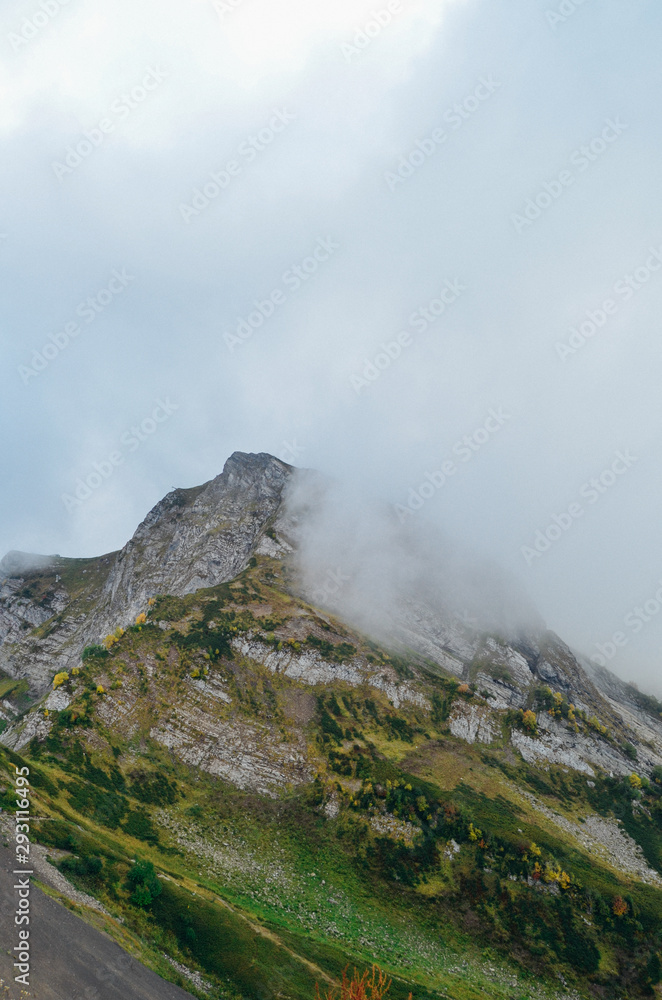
551 749
197 538
20 733
20 610
386 825
558 743
473 723
313 669
249 756
192 539
51 608
603 838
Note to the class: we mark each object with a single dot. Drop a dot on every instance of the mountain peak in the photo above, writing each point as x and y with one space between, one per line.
251 460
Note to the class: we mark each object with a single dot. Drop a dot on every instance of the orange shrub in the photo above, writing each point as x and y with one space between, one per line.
369 986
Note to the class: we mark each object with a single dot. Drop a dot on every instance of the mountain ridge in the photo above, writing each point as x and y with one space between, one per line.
216 701
205 536
121 582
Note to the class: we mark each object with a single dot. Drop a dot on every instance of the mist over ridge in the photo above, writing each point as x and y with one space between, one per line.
355 555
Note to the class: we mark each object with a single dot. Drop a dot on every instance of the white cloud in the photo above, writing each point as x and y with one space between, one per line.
81 57
324 177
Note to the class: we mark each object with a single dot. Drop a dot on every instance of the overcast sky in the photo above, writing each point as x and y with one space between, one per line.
414 204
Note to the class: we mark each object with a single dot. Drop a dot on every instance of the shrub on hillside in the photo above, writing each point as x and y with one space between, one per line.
91 651
144 883
373 985
85 869
139 825
152 788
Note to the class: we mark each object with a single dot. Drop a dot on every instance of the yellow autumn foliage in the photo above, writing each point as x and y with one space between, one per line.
114 637
551 875
529 721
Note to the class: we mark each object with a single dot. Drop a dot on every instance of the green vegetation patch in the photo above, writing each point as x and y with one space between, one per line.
226 945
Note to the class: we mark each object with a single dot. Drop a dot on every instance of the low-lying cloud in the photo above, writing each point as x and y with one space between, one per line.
355 557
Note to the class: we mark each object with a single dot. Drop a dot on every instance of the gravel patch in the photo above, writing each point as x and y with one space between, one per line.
603 838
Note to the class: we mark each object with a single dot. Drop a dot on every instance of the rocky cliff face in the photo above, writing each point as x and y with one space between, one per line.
197 538
51 608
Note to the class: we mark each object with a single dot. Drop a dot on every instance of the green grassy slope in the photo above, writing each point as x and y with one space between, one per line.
406 846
